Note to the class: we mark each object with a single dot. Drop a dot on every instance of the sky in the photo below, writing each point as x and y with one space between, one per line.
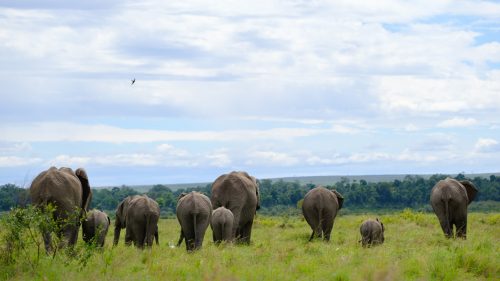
276 88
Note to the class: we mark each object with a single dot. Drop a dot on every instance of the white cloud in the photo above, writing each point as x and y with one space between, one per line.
15 161
271 158
457 122
487 145
61 131
219 158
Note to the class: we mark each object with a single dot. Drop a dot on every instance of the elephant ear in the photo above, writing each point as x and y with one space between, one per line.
181 195
340 198
470 189
120 214
86 191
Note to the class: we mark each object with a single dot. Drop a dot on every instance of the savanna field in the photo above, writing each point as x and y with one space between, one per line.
414 249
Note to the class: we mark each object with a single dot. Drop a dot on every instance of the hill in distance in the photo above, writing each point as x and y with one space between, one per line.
317 180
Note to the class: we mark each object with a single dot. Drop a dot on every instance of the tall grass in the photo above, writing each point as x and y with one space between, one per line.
414 249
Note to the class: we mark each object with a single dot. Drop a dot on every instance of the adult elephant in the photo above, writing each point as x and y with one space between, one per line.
450 199
320 207
139 215
70 195
194 212
95 227
238 192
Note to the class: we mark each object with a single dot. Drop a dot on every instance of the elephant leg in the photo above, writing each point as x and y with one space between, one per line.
128 236
156 237
446 225
236 225
181 237
327 226
200 234
47 239
217 232
227 229
461 227
139 236
312 236
246 232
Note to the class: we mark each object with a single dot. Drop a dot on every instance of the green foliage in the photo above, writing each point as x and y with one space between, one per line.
280 197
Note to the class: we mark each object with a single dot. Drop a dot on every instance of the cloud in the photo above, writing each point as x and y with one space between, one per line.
457 122
271 158
63 131
487 145
16 161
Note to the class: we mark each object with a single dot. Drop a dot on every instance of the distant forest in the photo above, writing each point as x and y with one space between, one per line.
281 197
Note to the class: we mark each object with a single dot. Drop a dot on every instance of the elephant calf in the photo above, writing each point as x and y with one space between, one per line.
194 212
320 207
139 215
95 227
372 232
222 225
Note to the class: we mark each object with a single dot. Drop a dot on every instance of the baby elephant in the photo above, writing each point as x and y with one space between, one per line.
95 227
372 232
222 225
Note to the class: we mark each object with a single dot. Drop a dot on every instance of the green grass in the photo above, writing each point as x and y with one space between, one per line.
414 249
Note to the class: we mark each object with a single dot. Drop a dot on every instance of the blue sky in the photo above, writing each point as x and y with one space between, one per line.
276 88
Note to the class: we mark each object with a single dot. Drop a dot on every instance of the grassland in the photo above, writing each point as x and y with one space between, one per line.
415 249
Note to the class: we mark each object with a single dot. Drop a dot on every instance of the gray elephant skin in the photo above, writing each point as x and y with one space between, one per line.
320 207
222 225
238 192
450 199
95 227
372 232
69 192
139 215
194 212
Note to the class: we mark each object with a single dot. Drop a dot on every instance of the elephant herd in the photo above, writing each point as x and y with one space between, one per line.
230 211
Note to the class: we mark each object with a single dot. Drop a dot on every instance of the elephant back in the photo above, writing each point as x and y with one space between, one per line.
60 187
320 197
234 187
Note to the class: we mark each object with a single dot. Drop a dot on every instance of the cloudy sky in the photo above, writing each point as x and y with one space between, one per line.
276 88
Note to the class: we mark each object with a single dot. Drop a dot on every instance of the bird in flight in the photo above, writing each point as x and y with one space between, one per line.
133 81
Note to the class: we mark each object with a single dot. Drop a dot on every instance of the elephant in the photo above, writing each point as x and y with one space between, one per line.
70 194
194 212
372 232
449 200
238 192
320 207
95 227
139 215
222 225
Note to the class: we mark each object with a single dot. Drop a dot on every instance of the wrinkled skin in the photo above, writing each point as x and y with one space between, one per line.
139 215
95 227
320 207
69 192
238 192
222 225
372 232
194 212
450 199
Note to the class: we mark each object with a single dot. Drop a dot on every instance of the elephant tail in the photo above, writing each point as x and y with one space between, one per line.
446 201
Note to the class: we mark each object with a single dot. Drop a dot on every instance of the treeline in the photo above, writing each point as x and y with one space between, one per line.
279 196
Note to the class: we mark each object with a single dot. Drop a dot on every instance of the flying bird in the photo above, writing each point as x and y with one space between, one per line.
133 81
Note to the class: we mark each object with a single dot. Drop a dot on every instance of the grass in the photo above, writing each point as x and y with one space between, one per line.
414 249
